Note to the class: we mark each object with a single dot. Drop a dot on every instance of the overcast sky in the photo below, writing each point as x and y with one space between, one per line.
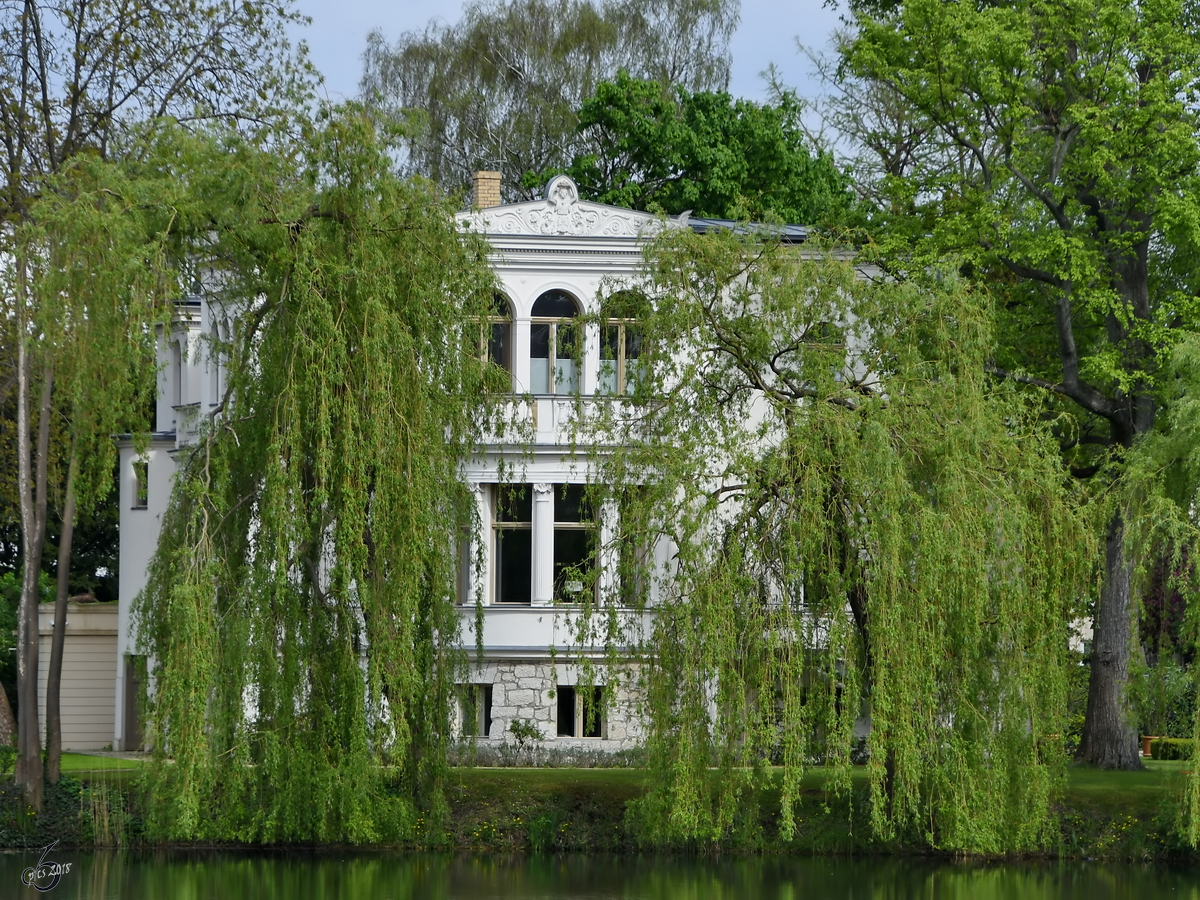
768 32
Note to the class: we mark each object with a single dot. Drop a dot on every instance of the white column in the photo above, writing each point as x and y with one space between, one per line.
480 548
591 359
609 555
520 355
543 544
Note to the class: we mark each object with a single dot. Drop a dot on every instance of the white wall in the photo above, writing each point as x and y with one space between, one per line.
139 530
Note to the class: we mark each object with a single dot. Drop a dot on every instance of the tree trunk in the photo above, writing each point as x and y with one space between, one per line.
31 487
54 674
1110 740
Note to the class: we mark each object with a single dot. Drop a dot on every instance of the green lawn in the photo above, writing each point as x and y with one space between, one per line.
84 762
1131 793
1101 792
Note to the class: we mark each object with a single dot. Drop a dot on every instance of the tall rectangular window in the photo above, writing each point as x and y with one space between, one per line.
635 559
514 543
214 363
574 543
495 340
141 484
177 392
553 349
566 710
620 352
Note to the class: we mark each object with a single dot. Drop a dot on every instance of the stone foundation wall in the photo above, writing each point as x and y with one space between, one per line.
524 689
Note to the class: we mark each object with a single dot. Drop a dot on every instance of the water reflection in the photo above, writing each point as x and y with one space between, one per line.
333 876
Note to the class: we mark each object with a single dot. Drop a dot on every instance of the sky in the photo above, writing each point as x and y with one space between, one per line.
767 34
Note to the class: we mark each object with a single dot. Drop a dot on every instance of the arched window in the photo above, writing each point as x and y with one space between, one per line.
554 344
498 335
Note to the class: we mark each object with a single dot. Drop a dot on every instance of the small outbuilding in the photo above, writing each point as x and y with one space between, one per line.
89 671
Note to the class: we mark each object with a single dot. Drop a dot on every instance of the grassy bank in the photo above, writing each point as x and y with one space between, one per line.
1113 815
1103 815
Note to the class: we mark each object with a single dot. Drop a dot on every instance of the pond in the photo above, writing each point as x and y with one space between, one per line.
195 875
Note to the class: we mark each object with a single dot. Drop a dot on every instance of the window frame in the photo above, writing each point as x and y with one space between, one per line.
487 332
178 395
499 526
579 720
475 709
634 556
589 523
141 484
553 388
621 362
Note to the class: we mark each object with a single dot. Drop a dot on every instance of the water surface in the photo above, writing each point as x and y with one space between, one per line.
195 875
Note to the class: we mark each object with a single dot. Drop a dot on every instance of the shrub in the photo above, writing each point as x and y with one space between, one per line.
8 755
1171 748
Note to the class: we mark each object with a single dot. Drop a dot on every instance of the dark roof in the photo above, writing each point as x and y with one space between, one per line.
789 234
153 435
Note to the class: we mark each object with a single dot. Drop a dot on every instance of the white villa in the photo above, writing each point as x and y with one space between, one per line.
551 258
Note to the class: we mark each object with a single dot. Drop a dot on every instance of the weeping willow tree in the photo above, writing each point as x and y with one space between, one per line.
862 531
1159 492
299 611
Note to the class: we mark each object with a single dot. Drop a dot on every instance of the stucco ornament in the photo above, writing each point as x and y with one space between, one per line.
560 212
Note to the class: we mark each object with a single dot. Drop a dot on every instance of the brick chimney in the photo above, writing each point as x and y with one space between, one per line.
487 189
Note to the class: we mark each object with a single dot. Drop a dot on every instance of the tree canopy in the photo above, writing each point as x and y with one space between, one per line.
300 609
1066 184
501 89
704 151
862 524
75 78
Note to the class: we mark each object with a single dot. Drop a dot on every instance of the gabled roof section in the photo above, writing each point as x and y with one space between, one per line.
560 213
788 234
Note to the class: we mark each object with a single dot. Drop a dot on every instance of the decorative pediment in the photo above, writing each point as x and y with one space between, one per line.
560 213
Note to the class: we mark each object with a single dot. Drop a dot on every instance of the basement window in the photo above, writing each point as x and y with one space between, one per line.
475 705
580 711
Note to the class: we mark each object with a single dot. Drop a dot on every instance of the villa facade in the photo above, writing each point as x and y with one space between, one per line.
553 259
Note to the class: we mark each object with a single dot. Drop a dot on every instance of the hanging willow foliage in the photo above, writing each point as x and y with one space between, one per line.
299 611
1160 493
860 525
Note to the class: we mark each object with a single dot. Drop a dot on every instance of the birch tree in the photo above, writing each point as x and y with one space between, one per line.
502 88
73 77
